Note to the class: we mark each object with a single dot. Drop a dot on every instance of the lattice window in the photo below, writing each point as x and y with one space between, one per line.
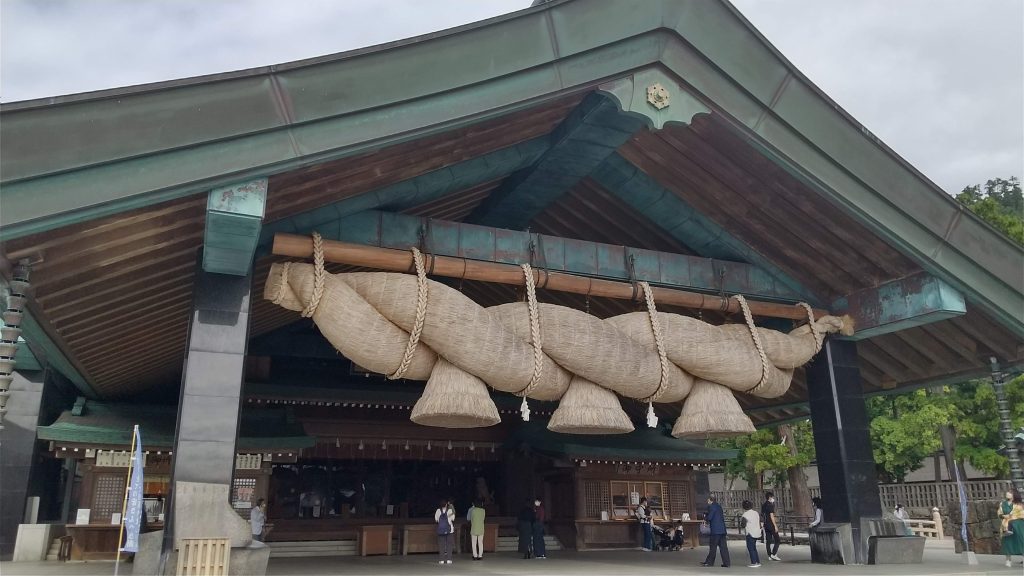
679 498
107 498
597 498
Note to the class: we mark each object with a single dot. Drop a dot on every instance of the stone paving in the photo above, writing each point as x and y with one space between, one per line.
939 560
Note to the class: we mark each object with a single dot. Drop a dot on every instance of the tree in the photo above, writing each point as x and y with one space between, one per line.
764 459
905 428
795 473
904 431
1000 203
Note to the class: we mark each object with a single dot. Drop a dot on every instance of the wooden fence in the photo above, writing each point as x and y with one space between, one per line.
938 494
733 499
919 495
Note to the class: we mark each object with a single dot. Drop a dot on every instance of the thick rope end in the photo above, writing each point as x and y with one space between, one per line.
849 325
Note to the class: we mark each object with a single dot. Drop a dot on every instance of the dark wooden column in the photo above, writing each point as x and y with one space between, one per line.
846 466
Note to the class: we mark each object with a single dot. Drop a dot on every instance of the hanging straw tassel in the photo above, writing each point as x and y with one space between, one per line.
711 411
587 408
454 398
524 410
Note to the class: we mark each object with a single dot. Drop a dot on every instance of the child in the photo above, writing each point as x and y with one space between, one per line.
752 524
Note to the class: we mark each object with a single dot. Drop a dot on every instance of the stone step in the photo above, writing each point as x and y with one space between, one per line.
311 543
51 557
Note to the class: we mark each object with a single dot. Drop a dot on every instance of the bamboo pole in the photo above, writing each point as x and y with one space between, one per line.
454 267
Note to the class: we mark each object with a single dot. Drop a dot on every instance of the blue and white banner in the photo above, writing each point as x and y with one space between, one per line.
133 514
963 504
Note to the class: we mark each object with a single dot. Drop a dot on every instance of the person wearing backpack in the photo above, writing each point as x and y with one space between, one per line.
643 514
476 517
444 516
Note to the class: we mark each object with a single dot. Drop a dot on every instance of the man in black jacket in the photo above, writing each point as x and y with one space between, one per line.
771 527
718 539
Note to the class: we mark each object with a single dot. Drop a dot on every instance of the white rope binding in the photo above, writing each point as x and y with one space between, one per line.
756 337
538 352
422 288
659 342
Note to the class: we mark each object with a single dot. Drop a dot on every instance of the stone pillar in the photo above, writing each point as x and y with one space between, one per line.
846 466
208 412
17 453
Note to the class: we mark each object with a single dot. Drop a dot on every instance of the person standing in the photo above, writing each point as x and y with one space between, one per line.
752 524
1011 512
643 514
538 530
257 519
901 514
771 527
444 516
524 525
818 514
718 540
476 517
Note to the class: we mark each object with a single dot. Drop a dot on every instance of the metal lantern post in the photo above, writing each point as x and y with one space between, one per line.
1005 427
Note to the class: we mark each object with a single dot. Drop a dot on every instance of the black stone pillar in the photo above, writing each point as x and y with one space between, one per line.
846 466
17 453
208 410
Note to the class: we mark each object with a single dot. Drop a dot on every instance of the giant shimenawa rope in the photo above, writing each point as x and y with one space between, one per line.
381 320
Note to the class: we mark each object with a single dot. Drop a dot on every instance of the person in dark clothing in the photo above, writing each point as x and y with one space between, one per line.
538 530
524 525
715 519
771 527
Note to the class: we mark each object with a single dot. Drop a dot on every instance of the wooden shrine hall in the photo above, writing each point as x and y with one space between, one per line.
641 160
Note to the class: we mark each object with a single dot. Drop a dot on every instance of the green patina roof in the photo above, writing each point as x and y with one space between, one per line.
111 424
643 444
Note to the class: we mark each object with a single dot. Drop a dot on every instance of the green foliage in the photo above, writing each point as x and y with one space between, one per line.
762 453
904 428
1000 203
904 431
976 421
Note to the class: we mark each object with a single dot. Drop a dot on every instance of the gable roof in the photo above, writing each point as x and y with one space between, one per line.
117 221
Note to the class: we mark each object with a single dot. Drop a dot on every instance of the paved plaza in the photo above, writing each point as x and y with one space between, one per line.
939 560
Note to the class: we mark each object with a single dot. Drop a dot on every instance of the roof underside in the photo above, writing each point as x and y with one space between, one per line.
113 279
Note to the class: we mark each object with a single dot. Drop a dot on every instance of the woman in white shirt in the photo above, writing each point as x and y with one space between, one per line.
257 519
444 517
816 502
752 524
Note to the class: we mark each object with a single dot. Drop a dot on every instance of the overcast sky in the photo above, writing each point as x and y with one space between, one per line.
940 81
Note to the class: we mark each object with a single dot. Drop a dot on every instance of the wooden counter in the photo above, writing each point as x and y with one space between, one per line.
418 538
591 534
98 541
375 539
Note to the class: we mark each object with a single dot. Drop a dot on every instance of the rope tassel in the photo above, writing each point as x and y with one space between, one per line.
652 418
524 410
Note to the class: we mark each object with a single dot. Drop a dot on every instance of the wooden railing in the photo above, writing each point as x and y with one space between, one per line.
927 528
919 495
733 499
938 494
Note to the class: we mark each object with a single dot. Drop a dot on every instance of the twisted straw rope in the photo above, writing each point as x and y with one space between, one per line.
421 314
538 352
318 276
815 333
279 296
659 342
757 343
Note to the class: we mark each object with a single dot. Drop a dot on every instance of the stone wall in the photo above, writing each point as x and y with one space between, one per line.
982 526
